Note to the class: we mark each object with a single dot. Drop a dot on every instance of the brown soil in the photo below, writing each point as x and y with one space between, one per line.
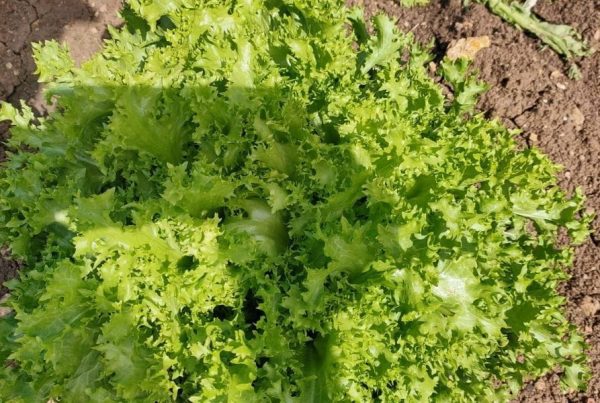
529 90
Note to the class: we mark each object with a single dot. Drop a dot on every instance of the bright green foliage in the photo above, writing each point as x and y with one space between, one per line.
241 201
411 3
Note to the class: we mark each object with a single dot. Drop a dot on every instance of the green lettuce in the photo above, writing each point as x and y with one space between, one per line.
243 200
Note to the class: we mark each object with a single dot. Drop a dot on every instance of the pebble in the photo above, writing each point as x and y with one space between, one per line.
9 65
463 25
541 384
432 67
557 75
590 306
578 118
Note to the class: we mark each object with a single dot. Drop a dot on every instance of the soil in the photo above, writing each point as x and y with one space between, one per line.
530 90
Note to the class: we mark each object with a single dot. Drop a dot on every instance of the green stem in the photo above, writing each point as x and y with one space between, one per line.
315 384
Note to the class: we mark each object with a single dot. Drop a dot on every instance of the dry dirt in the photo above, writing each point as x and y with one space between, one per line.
529 90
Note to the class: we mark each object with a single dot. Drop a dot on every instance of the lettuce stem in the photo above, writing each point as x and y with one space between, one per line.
563 39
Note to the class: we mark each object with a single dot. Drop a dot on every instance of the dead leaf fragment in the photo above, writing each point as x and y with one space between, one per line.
468 47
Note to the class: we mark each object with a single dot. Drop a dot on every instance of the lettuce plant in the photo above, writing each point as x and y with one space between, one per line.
257 200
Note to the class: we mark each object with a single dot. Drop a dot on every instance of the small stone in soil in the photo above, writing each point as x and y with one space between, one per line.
590 306
578 118
541 384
